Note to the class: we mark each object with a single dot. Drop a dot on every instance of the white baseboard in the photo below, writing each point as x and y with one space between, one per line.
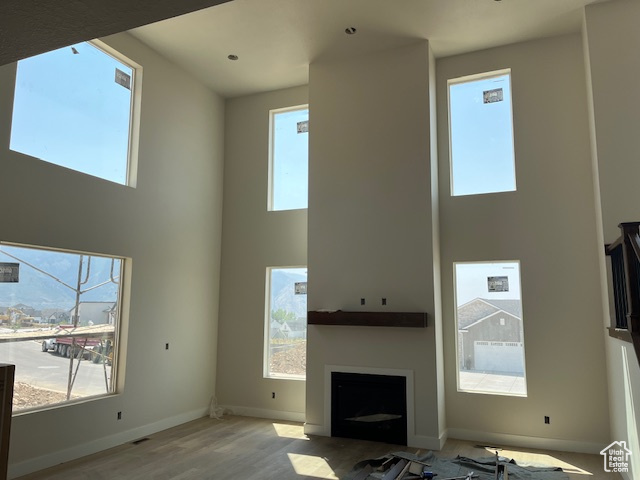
498 439
444 436
424 442
264 413
312 429
98 445
430 443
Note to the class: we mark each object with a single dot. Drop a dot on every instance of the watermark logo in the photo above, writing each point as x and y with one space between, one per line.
616 457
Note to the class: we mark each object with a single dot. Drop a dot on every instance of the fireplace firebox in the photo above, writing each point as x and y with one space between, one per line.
369 407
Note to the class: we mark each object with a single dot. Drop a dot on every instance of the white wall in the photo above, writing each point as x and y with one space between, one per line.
254 239
611 40
549 224
170 226
370 223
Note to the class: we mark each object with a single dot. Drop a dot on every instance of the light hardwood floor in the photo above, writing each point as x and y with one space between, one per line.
252 448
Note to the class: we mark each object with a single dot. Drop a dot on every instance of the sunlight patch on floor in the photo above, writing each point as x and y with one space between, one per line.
308 465
290 431
529 459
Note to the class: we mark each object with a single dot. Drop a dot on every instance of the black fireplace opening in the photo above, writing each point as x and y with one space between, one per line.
369 407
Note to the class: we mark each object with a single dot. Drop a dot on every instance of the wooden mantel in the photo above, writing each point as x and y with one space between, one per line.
368 319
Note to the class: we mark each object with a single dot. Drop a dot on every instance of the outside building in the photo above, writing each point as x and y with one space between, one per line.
94 313
490 336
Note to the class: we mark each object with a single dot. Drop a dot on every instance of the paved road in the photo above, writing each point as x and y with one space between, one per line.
491 382
47 370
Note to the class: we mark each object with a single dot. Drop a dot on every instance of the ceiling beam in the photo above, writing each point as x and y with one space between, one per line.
30 27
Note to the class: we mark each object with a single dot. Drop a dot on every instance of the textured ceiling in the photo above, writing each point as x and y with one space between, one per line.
277 39
29 27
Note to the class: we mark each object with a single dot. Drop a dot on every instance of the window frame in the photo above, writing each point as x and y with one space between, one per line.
122 300
474 78
270 181
131 167
267 329
459 389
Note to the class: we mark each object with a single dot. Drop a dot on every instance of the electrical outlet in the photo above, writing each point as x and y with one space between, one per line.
384 301
362 302
119 415
273 394
166 346
547 420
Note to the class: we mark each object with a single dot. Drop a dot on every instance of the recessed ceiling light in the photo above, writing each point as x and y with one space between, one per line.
232 57
350 30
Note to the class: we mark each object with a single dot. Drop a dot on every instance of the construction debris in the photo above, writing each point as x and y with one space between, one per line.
401 466
501 469
416 466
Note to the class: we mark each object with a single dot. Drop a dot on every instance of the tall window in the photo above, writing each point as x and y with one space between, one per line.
73 107
59 324
286 323
289 158
490 331
481 134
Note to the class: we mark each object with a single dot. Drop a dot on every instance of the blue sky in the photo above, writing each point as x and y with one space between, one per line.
69 110
290 161
482 151
471 280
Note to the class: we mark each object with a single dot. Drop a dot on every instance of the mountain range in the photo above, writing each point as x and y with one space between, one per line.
283 293
43 273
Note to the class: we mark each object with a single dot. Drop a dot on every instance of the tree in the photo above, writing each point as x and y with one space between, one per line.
281 316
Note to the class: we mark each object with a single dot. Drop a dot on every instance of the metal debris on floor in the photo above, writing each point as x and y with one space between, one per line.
408 466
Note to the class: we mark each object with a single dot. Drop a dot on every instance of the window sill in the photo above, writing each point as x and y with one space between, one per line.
297 378
620 333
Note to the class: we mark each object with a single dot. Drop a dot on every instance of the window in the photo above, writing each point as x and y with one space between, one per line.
73 107
289 158
59 324
481 134
286 323
490 333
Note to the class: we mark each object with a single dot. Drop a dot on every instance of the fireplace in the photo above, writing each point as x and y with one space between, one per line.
369 407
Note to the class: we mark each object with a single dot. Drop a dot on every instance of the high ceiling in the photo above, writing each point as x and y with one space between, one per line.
276 40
